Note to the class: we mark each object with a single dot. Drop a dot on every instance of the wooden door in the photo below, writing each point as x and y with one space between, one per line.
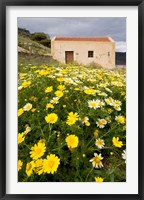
69 58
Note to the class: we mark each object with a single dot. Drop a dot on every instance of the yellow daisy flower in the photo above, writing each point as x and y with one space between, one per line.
43 73
51 164
90 91
98 179
39 166
59 93
63 71
61 87
61 79
72 118
29 168
33 110
49 89
20 111
21 138
76 89
72 141
26 84
37 150
116 142
49 105
20 163
51 118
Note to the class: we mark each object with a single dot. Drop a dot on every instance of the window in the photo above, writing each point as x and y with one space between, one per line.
108 53
90 54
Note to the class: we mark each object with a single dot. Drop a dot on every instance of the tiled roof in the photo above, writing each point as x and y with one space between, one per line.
96 39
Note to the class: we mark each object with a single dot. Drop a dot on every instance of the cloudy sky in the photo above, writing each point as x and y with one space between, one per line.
114 27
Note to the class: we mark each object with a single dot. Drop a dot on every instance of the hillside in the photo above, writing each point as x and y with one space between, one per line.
25 42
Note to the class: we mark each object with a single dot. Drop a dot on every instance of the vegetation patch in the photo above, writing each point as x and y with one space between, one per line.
71 123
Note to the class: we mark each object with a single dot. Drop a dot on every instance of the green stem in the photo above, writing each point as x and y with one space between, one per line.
108 147
58 148
42 133
50 128
88 174
96 149
26 145
78 174
109 131
90 141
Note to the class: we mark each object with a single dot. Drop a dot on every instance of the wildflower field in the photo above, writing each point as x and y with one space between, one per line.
71 124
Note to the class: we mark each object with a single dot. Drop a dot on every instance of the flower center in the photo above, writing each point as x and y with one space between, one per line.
100 123
117 142
51 163
71 140
97 159
52 118
38 150
28 107
99 143
93 104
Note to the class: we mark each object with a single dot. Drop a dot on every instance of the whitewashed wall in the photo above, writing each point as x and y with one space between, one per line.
81 49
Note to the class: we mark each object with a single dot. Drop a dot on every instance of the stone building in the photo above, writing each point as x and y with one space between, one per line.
84 50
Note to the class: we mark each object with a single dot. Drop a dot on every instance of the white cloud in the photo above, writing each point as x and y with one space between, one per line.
120 46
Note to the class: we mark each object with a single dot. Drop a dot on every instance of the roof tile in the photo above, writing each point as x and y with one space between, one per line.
97 39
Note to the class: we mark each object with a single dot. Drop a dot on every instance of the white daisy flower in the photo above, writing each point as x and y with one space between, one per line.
101 123
20 87
124 155
27 107
94 104
118 108
96 161
103 94
99 143
101 103
85 119
109 101
107 89
55 100
117 103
